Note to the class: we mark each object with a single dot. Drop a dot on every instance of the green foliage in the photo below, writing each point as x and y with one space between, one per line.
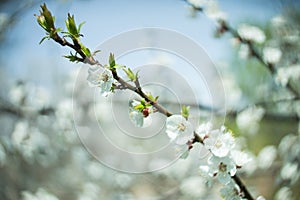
46 21
111 61
132 76
85 50
185 111
154 99
73 58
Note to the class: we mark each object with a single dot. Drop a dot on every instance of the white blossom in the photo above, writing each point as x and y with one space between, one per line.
204 129
4 20
240 158
212 11
278 21
219 142
260 198
2 155
40 194
271 55
20 133
123 180
179 129
204 172
248 120
266 157
284 193
90 192
193 186
251 33
223 167
101 77
285 74
18 93
244 51
182 151
137 118
94 170
198 3
231 191
290 172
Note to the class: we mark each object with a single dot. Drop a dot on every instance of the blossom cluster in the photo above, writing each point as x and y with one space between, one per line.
224 159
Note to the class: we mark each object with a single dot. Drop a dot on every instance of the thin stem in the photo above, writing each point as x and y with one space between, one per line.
239 182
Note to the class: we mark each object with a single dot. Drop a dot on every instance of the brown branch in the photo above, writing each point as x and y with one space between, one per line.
243 188
225 27
137 89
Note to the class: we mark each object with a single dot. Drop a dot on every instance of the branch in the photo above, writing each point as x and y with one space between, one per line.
225 27
243 188
136 88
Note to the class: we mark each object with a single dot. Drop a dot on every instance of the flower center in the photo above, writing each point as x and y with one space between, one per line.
218 144
104 77
181 127
222 167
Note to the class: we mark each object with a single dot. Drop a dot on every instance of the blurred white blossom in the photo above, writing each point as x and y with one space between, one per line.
290 172
123 180
213 11
285 74
278 21
260 198
284 193
251 33
4 19
244 51
94 170
198 3
90 191
248 120
18 93
2 155
20 133
271 55
40 194
266 157
193 186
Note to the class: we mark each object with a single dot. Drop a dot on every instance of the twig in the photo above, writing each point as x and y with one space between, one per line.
243 188
225 27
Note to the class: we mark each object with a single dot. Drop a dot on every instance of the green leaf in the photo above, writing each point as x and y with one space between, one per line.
79 27
95 52
49 19
71 26
185 111
117 66
139 107
111 60
73 58
85 50
46 37
130 74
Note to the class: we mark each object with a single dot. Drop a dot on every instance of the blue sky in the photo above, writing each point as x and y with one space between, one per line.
106 18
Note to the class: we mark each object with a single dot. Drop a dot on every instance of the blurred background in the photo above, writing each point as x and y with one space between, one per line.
41 155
